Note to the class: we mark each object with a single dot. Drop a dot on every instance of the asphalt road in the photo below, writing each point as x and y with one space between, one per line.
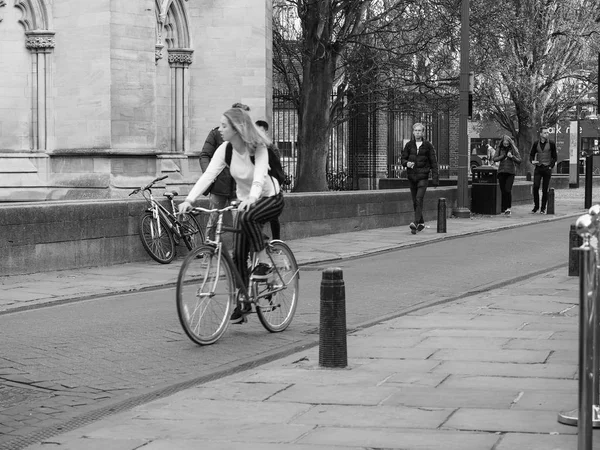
67 365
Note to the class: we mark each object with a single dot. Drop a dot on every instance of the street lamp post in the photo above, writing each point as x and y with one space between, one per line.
462 191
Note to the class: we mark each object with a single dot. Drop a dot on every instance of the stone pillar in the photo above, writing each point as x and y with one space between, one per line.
41 44
179 61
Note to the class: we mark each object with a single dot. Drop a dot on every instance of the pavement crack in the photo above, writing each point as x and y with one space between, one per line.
516 399
30 385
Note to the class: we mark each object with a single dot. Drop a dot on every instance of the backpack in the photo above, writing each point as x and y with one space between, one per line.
275 168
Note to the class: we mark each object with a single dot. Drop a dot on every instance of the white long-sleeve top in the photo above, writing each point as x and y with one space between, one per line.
252 180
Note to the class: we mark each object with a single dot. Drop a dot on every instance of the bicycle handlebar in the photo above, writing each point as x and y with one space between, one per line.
199 209
149 185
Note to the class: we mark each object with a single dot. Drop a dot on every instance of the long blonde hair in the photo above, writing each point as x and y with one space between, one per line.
242 123
511 143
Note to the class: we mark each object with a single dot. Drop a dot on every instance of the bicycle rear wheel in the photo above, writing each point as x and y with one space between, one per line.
192 232
205 295
157 240
276 310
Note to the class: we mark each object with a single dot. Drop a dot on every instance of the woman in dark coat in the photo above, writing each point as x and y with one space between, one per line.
508 156
420 160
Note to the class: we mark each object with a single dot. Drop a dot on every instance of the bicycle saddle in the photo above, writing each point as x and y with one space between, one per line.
170 195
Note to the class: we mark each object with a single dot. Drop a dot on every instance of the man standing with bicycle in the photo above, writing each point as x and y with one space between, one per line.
222 191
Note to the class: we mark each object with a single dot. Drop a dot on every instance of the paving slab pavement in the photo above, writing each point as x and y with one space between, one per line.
489 371
438 378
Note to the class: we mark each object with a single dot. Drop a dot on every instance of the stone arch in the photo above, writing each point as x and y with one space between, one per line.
36 19
173 24
173 32
35 15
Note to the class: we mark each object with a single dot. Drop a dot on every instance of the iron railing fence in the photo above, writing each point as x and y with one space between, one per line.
344 154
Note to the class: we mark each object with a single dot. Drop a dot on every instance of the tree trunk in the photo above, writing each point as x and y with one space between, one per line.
313 137
315 102
524 141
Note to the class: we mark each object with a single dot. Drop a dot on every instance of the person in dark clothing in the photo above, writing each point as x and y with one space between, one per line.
543 157
419 157
275 224
222 191
508 156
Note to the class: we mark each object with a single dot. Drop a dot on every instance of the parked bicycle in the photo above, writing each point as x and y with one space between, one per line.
209 287
161 230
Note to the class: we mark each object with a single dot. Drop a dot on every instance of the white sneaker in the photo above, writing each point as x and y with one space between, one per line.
507 212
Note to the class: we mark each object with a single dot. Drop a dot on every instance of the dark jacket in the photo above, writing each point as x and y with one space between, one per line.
507 165
224 183
553 155
425 161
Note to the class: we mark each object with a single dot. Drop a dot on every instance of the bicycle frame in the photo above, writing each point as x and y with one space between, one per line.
223 252
159 210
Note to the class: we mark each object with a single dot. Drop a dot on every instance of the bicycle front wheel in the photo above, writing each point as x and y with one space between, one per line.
205 295
156 238
192 233
276 310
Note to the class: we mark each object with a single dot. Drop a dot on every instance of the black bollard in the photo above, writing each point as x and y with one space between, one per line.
332 327
550 206
528 176
441 217
575 241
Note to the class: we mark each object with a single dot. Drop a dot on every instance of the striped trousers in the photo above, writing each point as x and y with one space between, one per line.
251 237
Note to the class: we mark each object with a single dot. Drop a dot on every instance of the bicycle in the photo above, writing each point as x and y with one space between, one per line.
209 286
160 229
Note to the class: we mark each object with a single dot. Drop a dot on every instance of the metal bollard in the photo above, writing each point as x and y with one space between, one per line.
441 216
575 241
550 206
332 326
587 415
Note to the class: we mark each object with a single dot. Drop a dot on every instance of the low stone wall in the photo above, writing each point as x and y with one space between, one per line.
43 236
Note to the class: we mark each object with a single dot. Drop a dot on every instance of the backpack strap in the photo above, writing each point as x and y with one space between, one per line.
228 153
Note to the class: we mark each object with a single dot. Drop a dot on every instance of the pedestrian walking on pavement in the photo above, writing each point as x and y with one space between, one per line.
260 194
419 158
543 157
275 224
222 191
508 157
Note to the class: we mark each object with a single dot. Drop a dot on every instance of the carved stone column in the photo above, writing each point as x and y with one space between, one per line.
179 61
41 44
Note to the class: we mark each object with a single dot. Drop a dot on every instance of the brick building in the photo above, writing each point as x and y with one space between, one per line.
99 97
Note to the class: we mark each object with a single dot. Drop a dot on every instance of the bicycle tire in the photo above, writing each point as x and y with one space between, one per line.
205 295
277 310
160 247
191 230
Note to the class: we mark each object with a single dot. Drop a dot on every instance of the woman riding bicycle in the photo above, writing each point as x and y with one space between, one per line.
260 194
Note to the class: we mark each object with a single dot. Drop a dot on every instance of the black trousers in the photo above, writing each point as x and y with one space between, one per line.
541 175
417 190
506 180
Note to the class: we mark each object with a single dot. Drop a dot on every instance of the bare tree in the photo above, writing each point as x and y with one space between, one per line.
534 61
365 47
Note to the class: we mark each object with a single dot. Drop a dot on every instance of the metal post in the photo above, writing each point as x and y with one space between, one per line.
587 416
441 215
462 188
589 168
575 241
332 330
550 205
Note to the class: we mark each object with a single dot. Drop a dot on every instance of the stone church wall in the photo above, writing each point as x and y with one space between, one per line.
100 97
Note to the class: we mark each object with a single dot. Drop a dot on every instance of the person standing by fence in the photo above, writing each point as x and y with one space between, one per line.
419 158
275 224
508 156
